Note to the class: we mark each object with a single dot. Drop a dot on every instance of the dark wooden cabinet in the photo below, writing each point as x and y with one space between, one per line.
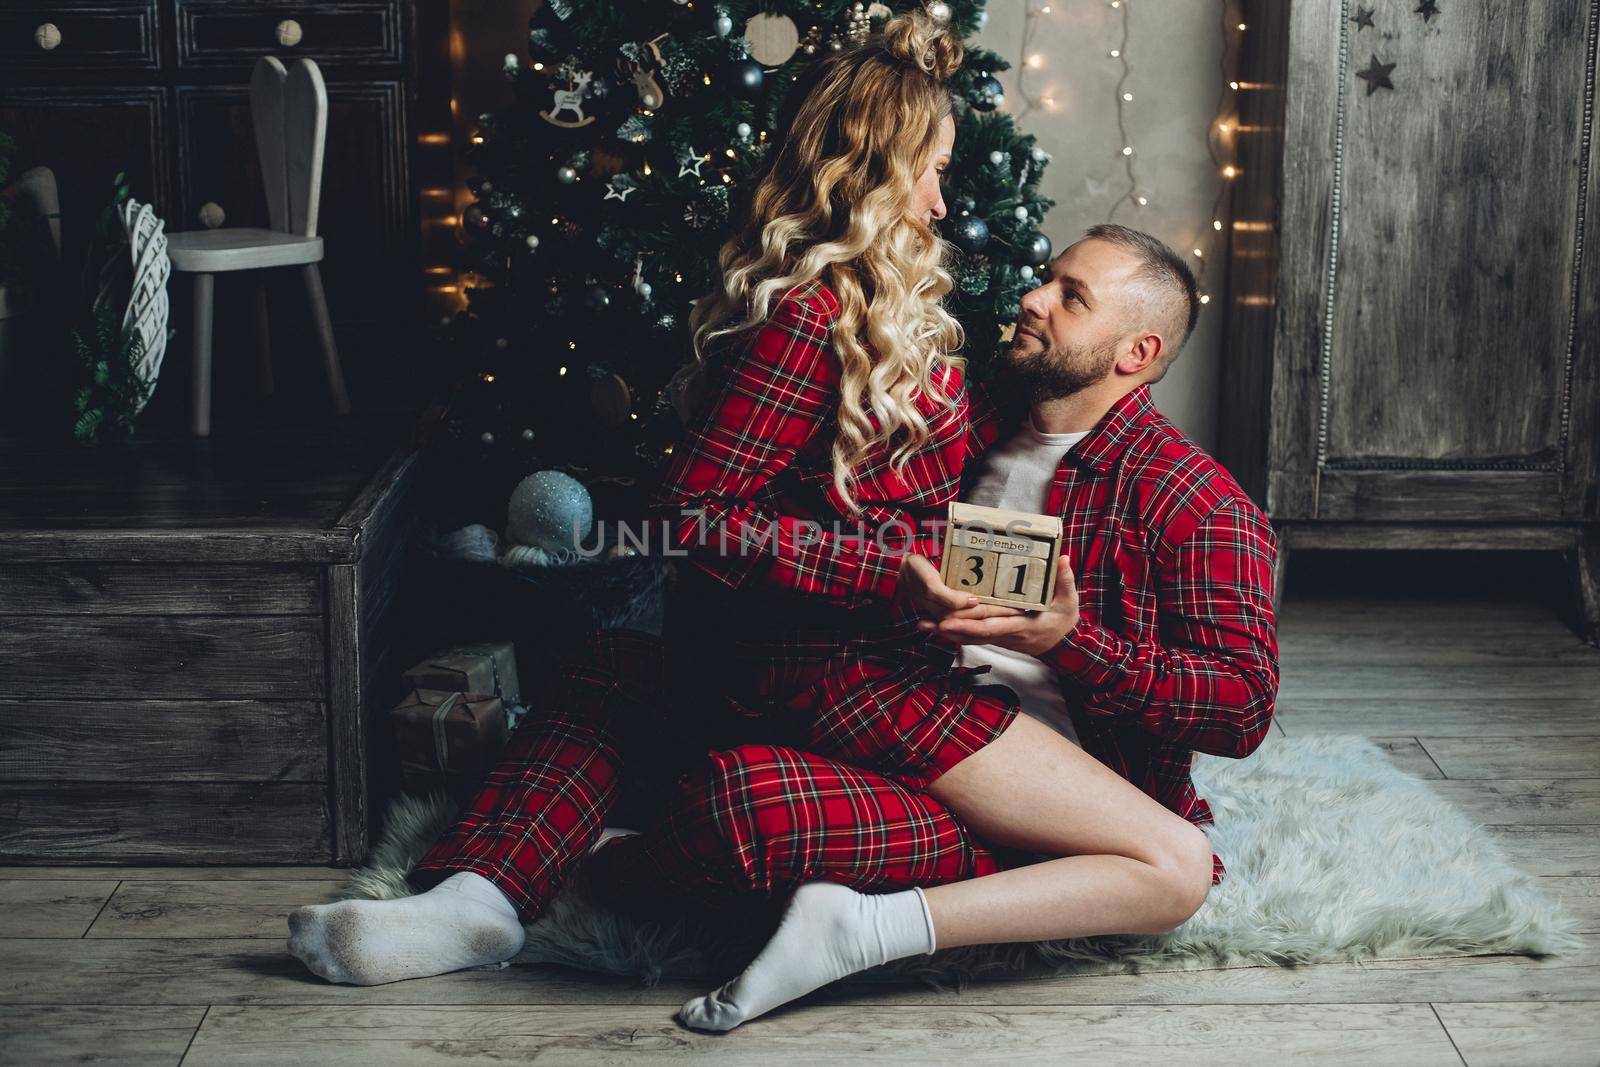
1414 313
159 89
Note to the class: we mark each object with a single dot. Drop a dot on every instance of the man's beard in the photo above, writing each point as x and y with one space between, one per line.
1053 373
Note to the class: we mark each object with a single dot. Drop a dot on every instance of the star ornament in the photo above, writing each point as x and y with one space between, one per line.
690 162
1427 9
1376 76
1363 19
620 187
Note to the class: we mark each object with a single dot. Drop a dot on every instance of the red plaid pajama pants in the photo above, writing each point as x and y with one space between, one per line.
851 808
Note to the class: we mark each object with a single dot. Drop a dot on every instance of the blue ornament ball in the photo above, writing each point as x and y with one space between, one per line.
550 511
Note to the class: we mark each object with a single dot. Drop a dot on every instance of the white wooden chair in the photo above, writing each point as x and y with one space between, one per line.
289 110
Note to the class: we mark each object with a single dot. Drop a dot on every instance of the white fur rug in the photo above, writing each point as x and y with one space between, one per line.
1333 855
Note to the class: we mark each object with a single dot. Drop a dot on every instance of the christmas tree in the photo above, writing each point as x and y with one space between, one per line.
605 190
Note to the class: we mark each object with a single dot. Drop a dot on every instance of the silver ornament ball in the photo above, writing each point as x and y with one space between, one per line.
533 241
486 437
940 11
566 175
724 25
644 290
997 157
1021 213
743 130
551 511
1025 272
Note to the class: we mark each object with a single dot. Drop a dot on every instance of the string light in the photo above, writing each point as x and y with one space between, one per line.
1220 126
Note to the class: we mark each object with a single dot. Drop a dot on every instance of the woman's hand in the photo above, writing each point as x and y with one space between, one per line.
1032 632
921 587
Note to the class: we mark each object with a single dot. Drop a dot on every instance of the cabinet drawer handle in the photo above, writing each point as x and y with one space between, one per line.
47 36
289 33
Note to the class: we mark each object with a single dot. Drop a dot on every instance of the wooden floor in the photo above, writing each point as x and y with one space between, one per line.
1496 702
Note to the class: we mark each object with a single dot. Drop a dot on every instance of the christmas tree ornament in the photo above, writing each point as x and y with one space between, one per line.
550 511
597 299
860 22
532 241
697 215
644 290
1036 249
970 234
511 65
487 438
611 399
566 109
619 187
1025 272
566 175
987 93
1020 213
527 435
939 11
690 161
642 65
501 343
487 187
475 218
772 39
723 23
745 78
1039 155
743 131
997 157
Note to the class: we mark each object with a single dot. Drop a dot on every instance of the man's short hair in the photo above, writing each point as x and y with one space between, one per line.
1171 300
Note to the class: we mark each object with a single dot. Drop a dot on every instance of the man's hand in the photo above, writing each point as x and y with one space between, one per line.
922 587
1032 632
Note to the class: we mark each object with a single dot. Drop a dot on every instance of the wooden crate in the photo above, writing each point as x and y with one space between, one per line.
197 640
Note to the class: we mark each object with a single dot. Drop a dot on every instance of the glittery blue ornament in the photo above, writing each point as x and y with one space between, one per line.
550 511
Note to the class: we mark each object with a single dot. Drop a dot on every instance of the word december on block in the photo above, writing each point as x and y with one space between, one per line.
1002 557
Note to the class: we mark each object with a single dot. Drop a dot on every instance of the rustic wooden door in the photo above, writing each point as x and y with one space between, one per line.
1438 301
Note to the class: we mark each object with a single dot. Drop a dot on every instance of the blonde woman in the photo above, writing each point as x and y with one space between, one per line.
831 431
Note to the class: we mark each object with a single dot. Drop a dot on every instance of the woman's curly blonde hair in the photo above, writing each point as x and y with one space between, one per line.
834 203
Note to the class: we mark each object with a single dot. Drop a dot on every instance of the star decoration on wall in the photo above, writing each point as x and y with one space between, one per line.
1376 76
1427 9
1363 19
621 186
690 161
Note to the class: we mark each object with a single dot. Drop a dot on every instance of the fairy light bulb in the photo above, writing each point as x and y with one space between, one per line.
1216 224
1127 96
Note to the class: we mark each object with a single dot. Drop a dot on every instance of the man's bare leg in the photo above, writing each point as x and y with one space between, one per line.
1128 866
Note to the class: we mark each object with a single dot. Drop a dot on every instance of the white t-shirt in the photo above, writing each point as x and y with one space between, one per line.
1016 474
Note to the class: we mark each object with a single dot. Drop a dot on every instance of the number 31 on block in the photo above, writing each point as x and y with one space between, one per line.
1002 557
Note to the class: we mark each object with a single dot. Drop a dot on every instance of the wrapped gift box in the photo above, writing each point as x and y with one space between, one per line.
488 667
447 738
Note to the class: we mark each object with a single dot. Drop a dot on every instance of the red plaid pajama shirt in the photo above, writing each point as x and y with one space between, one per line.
1175 654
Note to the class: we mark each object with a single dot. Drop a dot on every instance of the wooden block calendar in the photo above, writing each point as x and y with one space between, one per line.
1002 557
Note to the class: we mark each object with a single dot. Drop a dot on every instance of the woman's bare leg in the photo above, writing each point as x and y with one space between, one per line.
1128 865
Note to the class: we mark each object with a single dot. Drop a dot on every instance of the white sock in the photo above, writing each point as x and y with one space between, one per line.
464 921
828 932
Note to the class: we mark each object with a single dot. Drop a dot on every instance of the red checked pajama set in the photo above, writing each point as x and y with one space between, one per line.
831 714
